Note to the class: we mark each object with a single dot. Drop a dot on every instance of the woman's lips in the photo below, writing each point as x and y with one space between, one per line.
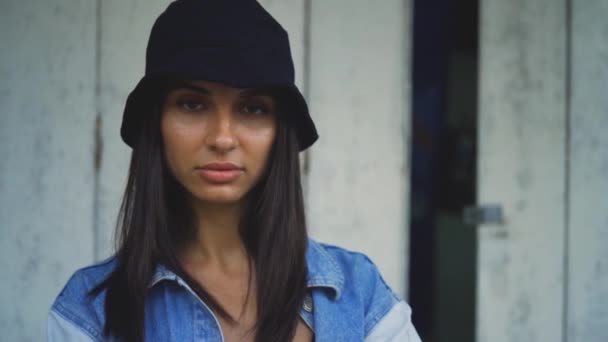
219 172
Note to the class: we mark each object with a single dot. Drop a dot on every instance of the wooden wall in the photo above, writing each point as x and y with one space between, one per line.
522 144
47 122
65 72
358 185
587 267
67 66
543 155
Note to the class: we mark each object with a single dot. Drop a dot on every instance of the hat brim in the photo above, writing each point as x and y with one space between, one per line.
149 92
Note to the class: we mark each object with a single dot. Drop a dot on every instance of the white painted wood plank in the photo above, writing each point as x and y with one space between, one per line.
522 167
125 27
47 70
588 223
359 97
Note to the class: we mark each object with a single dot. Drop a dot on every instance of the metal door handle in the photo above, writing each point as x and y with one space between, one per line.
483 214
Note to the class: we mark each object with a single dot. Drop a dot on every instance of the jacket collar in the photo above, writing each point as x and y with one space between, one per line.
323 271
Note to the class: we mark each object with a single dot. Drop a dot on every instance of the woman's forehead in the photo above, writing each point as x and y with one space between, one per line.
212 87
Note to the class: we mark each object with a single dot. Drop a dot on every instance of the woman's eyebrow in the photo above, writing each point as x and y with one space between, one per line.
255 92
189 86
248 92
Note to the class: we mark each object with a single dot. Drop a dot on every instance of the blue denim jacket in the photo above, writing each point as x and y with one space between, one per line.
347 301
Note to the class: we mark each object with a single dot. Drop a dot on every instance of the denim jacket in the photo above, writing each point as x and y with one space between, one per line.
347 301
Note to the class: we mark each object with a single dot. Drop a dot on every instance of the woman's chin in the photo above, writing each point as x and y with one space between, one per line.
219 197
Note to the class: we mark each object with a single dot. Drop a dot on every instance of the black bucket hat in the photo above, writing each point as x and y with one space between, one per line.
234 42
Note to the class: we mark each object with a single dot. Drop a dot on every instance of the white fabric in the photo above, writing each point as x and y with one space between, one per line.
60 329
395 326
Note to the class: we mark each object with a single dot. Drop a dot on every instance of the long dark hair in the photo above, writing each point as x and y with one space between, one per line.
155 220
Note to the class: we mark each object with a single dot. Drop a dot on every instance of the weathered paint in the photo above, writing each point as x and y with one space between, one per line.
47 69
587 295
521 166
359 98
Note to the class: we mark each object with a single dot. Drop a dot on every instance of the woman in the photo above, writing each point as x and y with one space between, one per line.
212 242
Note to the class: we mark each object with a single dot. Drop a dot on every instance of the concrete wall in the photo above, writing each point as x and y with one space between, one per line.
65 71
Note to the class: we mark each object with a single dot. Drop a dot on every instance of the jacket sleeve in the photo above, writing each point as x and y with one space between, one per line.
387 316
395 326
60 329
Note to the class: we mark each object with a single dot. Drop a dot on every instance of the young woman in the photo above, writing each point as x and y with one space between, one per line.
212 242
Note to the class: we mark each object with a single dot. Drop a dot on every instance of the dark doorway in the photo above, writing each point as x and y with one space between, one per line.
444 129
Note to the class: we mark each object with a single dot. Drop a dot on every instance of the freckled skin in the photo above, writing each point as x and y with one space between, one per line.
218 126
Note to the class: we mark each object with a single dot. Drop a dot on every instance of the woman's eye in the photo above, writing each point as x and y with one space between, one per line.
254 109
190 105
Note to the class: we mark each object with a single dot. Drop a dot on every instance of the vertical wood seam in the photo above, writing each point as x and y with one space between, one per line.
407 48
98 139
567 173
306 86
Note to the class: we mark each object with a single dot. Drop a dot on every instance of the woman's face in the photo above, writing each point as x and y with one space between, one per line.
217 139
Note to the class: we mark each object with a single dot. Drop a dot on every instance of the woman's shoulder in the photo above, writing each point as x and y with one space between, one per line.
349 270
85 279
359 286
348 259
77 306
349 262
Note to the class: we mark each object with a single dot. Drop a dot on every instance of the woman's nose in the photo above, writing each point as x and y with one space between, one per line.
221 137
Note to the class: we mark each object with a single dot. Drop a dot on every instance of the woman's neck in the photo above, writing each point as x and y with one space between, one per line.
217 242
